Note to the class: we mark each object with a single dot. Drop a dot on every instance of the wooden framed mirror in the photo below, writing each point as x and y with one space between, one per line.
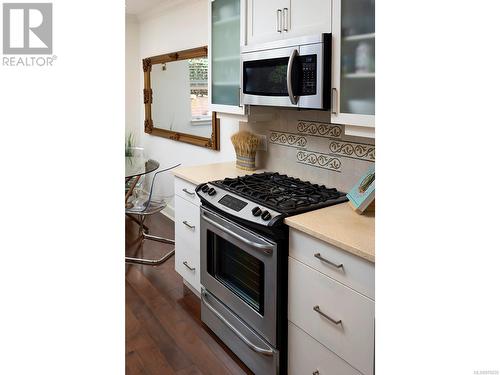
176 98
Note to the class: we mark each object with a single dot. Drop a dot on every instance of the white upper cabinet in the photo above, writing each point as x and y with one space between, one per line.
353 78
265 20
308 18
227 34
270 20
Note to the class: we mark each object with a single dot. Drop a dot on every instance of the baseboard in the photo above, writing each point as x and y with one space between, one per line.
169 211
191 288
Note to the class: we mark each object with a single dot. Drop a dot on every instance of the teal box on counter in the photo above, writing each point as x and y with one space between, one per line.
363 193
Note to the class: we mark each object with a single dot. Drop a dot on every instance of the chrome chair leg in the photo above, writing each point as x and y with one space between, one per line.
138 222
150 262
146 236
141 229
158 239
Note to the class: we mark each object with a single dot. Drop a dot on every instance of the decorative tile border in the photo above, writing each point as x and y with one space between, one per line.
319 129
353 150
327 151
287 139
317 159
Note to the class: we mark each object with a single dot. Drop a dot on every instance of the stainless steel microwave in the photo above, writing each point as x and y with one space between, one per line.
288 73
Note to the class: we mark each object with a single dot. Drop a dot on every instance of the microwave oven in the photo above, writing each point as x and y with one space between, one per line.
288 73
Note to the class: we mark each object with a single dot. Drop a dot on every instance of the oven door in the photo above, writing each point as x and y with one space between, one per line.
239 268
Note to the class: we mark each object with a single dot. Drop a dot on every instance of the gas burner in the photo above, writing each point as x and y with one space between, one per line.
284 194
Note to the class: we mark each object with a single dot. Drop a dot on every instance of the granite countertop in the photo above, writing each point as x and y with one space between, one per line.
338 225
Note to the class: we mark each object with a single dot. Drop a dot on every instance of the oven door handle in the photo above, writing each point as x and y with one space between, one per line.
268 249
294 99
255 348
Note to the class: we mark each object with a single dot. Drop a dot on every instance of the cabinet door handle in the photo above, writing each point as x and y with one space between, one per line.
187 191
285 19
188 267
188 225
317 309
278 20
335 100
318 255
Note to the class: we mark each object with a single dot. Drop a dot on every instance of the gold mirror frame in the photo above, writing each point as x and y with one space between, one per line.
213 141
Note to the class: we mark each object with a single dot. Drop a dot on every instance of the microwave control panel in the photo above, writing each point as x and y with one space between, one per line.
308 79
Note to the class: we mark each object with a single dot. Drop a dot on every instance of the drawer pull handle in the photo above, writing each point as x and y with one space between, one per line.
187 265
315 372
316 308
188 225
188 192
318 255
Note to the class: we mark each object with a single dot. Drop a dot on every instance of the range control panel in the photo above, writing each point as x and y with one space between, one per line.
236 205
232 202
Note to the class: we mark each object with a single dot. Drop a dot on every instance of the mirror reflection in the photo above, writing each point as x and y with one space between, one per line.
180 96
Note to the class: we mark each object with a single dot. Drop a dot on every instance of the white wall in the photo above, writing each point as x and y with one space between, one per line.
133 76
179 27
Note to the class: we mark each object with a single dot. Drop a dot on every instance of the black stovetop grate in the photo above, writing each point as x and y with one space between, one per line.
282 193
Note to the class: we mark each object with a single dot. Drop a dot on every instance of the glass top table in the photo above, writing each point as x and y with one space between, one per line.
136 166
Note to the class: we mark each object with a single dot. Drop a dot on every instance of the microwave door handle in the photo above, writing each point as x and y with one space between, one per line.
294 99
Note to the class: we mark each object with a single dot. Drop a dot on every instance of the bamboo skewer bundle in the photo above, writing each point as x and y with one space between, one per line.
245 144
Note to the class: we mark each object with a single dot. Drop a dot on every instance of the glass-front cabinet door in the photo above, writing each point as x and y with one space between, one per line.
354 63
224 51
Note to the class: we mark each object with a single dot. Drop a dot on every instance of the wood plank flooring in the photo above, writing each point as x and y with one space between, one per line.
164 332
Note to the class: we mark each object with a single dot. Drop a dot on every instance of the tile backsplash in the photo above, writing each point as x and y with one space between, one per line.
304 144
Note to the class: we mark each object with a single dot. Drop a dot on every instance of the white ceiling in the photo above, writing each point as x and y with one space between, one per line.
140 6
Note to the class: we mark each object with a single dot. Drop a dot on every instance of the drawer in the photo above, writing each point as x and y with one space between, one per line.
306 356
357 273
185 190
353 338
187 241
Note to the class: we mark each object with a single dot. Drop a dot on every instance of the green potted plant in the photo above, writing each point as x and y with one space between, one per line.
129 144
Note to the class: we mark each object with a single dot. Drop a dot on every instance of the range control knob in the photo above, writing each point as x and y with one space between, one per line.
256 211
266 215
205 188
211 191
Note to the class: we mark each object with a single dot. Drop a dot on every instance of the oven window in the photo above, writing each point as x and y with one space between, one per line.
265 77
237 270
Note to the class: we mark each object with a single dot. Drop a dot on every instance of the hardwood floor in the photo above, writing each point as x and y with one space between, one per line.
164 332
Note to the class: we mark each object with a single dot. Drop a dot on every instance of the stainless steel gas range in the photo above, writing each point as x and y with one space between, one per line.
244 261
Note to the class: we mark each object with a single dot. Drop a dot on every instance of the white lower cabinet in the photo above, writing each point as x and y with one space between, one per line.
186 190
331 325
349 269
308 356
187 235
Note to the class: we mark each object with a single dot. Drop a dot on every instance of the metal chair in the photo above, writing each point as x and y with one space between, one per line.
143 204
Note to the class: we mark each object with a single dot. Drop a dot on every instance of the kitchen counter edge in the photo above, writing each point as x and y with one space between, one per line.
339 226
